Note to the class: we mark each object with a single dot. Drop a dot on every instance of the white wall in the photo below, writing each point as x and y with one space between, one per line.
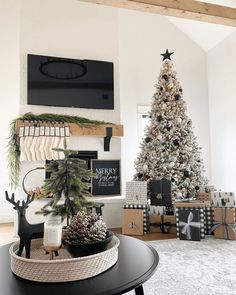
9 90
76 30
142 37
132 40
222 106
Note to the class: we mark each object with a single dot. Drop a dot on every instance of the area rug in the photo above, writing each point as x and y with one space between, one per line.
193 268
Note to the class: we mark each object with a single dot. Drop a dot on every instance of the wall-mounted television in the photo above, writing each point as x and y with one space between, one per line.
65 82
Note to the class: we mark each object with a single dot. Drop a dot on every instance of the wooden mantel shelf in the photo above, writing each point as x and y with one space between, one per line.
106 131
94 130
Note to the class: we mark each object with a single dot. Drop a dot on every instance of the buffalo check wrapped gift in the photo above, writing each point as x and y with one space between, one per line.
190 223
224 227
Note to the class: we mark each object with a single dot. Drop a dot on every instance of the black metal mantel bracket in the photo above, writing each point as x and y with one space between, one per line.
107 139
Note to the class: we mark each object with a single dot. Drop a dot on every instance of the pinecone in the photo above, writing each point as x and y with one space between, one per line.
85 228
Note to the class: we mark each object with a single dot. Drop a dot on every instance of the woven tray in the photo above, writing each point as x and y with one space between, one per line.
62 268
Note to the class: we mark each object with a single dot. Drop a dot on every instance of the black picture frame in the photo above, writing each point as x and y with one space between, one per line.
107 180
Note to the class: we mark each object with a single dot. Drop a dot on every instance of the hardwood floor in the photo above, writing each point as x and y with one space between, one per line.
7 234
149 236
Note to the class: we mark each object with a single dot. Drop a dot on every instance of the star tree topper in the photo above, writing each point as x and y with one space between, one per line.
166 55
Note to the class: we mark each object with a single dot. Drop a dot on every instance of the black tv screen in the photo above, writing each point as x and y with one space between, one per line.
64 82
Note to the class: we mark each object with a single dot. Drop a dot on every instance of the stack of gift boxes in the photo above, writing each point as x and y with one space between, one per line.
161 214
135 210
212 213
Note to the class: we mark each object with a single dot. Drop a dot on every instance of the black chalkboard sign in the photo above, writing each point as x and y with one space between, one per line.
107 177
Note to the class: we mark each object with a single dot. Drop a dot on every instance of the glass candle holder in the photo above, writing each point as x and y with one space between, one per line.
52 232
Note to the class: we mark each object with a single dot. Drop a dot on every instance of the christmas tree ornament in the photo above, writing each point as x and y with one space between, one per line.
177 97
175 155
165 77
176 142
187 173
145 167
147 139
159 118
140 175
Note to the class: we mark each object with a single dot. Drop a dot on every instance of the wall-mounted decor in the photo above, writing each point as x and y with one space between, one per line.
107 177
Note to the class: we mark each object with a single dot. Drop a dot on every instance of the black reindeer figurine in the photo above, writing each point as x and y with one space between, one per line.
26 231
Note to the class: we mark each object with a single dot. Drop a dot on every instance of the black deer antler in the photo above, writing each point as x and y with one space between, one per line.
12 200
28 200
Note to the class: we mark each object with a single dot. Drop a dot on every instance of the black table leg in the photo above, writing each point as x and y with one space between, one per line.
139 290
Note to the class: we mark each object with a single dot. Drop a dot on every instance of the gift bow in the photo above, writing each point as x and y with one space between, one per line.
224 224
186 230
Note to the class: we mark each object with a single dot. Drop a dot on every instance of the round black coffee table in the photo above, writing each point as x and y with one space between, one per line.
136 263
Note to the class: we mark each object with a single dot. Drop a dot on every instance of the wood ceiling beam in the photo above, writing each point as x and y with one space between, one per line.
187 9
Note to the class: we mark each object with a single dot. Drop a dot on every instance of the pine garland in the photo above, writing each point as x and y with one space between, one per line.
13 140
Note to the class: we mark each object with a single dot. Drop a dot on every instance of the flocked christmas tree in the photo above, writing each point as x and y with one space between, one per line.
169 148
68 186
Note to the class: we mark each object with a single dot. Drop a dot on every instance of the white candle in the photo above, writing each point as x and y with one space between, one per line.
52 232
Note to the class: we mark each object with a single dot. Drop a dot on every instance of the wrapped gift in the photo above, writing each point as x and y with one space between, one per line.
160 192
144 218
136 192
162 223
190 223
206 188
222 199
204 197
224 227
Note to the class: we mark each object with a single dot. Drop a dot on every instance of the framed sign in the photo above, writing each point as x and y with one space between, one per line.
107 177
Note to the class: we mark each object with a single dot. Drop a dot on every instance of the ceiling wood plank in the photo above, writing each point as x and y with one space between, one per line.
188 9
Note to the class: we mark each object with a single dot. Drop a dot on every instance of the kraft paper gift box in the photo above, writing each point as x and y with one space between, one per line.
190 223
160 192
204 197
224 227
222 199
144 218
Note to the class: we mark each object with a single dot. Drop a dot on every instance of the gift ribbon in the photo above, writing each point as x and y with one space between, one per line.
186 230
224 224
